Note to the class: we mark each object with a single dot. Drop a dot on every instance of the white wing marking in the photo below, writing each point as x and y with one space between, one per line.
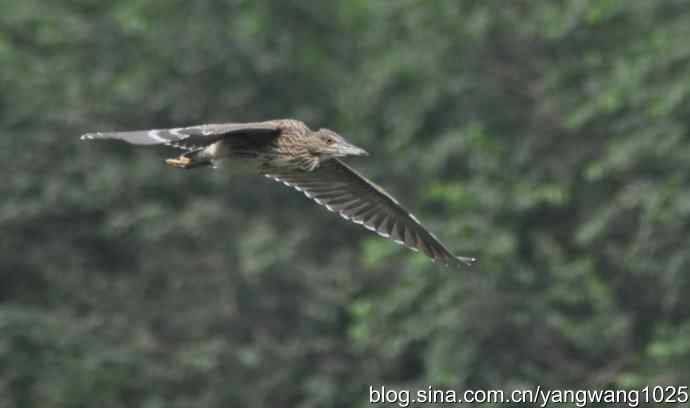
154 135
178 132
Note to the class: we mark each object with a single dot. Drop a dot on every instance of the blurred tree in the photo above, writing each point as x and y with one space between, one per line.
548 138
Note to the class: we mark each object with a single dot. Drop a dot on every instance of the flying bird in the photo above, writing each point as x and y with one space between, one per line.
309 161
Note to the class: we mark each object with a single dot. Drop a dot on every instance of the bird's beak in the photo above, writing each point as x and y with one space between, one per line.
352 150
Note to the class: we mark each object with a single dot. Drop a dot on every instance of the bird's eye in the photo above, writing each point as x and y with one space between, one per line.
330 141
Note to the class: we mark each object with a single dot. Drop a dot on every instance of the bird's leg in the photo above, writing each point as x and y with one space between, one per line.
189 160
183 162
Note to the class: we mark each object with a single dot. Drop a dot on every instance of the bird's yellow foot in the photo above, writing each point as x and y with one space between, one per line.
182 162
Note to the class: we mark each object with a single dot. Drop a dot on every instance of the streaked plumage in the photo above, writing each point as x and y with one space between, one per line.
289 152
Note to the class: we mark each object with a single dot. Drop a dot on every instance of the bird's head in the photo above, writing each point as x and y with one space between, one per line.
329 144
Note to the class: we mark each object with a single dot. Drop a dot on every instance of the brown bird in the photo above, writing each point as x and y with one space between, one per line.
309 161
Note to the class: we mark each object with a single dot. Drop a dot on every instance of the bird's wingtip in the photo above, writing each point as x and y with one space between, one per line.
456 262
91 136
467 261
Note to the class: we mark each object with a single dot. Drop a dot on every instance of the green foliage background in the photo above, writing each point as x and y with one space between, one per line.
548 138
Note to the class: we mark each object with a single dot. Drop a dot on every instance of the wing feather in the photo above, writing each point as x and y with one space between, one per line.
193 137
341 189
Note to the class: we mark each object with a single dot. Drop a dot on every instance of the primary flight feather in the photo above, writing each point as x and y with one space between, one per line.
288 151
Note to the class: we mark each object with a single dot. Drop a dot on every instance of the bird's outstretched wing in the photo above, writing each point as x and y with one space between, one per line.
342 190
193 137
